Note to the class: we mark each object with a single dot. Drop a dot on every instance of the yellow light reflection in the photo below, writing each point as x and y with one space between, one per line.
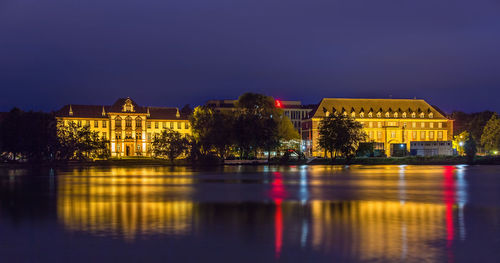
125 202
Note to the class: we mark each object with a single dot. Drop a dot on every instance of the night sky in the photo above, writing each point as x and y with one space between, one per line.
169 53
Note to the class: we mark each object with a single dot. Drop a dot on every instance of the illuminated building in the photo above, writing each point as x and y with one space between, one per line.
386 122
130 128
293 109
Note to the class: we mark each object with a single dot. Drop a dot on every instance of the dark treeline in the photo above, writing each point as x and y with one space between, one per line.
479 130
36 137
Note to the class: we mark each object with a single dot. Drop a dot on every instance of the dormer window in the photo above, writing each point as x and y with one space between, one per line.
370 114
387 115
404 115
327 114
395 114
422 115
345 114
431 115
128 106
413 115
353 114
362 115
379 114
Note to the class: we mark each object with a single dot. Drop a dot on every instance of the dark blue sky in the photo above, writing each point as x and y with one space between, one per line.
169 53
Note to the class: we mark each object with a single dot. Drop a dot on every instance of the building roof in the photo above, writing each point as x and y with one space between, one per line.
101 111
341 105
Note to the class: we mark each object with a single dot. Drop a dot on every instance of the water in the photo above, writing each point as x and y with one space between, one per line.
251 214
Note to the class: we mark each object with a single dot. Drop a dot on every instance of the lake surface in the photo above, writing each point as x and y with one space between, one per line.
251 214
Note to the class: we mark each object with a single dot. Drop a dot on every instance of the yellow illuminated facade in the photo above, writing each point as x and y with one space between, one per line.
387 122
130 128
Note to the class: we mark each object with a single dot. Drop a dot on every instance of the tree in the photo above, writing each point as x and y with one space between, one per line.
340 135
213 130
490 139
459 142
80 143
169 144
470 149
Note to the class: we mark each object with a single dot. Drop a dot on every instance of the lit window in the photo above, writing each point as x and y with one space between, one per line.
128 122
104 124
362 115
413 115
431 115
156 125
79 123
148 125
440 135
440 125
379 135
395 114
422 135
370 115
422 115
171 125
393 134
96 124
179 125
353 114
404 114
414 125
370 124
379 114
431 125
431 135
414 135
104 136
379 124
138 122
387 115
422 125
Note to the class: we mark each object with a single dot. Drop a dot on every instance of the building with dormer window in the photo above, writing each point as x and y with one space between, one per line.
129 127
394 122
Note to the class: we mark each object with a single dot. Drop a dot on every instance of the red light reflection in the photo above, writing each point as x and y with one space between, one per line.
278 194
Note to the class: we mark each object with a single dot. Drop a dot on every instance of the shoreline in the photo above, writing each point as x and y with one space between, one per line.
456 160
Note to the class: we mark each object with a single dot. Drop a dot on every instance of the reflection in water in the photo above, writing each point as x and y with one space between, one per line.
124 203
398 213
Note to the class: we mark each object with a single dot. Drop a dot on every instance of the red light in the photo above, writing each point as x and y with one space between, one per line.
278 104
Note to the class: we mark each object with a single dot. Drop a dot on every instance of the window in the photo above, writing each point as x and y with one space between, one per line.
371 135
379 135
118 122
156 125
404 115
440 135
148 125
431 125
431 135
79 123
104 136
104 124
393 134
387 115
96 124
422 125
164 125
178 125
370 115
395 114
413 135
171 125
138 147
414 125
149 136
405 124
118 135
392 123
138 135
362 115
128 122
379 124
138 122
440 125
422 135
379 114
186 125
413 115
422 115
353 114
370 124
118 148
431 115
87 123
128 135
